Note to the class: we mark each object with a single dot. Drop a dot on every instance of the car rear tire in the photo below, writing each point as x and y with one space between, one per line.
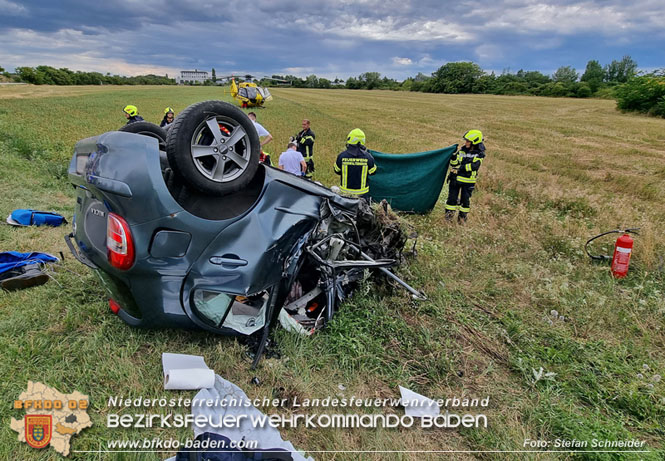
147 129
214 147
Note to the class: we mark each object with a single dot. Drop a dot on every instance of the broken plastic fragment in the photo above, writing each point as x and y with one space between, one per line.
416 405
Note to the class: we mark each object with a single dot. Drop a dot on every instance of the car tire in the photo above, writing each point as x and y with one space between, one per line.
147 129
213 146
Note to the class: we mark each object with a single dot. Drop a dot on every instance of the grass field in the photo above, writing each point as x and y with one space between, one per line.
557 172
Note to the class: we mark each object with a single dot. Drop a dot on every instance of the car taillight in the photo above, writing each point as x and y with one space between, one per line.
114 306
119 243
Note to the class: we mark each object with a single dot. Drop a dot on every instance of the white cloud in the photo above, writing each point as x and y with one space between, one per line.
330 38
68 48
426 61
299 71
12 9
391 29
549 17
402 61
489 52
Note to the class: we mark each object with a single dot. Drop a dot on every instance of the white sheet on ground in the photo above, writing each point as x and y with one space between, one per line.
417 405
182 371
219 396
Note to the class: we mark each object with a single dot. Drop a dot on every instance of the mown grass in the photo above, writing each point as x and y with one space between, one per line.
557 172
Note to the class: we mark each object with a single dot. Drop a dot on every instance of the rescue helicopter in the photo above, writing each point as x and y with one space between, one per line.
248 93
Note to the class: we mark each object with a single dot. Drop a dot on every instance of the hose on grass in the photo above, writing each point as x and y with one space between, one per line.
632 230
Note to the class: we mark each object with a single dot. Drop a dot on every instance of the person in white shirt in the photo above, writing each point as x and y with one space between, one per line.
264 138
292 161
264 135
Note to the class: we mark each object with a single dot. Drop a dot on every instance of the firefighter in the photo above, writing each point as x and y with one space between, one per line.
132 114
305 141
464 166
354 165
169 116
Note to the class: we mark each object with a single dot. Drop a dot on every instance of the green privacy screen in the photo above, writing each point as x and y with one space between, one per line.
410 182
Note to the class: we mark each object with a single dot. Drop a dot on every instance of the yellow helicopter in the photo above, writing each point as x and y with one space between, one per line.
249 94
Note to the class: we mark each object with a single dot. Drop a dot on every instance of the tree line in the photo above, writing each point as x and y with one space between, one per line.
619 79
469 77
47 75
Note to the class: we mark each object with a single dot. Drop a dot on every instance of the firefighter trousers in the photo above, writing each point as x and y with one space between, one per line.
459 196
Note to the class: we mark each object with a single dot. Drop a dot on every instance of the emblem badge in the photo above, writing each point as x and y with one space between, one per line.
38 430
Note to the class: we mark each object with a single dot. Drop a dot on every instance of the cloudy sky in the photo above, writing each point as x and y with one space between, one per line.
330 38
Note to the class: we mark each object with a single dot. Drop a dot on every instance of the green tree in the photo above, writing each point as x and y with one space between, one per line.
214 75
484 84
418 83
533 77
456 77
645 94
582 90
27 75
370 80
565 74
620 71
421 77
312 81
352 83
407 84
593 75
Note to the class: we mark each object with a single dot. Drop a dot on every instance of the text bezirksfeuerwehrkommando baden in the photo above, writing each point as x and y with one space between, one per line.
369 421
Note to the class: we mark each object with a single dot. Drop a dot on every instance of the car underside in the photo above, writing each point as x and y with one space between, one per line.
179 243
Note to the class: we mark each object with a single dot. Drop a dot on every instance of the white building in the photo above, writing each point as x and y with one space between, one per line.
193 76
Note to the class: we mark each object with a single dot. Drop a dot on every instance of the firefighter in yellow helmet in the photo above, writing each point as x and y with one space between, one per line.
169 117
464 165
355 165
132 114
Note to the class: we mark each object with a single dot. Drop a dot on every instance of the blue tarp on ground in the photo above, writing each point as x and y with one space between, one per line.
12 259
410 182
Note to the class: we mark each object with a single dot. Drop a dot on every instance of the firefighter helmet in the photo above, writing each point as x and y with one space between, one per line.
473 136
130 110
356 136
169 109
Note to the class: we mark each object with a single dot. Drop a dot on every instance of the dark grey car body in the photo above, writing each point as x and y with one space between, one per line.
182 251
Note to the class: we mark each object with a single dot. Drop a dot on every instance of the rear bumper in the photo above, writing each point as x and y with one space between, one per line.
141 308
80 257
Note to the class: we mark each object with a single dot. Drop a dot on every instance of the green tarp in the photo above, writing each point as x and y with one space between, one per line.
410 182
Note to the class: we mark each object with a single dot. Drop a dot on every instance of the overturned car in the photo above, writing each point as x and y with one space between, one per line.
186 229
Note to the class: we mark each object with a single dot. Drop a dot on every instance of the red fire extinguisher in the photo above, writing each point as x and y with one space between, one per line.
623 249
621 259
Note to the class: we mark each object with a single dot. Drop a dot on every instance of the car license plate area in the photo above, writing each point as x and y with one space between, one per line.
95 224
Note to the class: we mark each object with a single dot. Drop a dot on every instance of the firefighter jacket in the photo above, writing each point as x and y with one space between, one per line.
354 165
467 162
135 118
305 140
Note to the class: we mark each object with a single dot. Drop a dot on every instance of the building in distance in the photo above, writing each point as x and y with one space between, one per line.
193 76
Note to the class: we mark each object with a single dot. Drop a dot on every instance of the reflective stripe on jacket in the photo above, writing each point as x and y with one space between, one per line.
305 140
468 162
355 165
